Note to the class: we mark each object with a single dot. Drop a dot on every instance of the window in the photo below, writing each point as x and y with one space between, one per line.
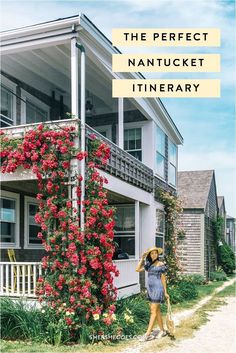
133 142
31 227
34 113
160 228
33 110
104 130
8 102
160 152
9 214
172 163
125 229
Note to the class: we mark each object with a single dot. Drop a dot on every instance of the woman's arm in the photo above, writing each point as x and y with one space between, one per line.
140 267
163 280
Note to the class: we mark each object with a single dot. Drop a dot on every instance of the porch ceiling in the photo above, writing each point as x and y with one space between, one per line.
48 69
30 187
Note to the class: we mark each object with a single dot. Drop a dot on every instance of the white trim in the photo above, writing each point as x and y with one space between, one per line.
74 77
155 152
137 229
169 162
134 125
28 96
12 87
121 123
29 200
106 128
16 197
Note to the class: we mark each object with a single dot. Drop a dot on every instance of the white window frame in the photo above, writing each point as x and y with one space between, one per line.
134 125
106 128
16 197
26 95
126 234
160 234
169 163
12 87
29 200
155 152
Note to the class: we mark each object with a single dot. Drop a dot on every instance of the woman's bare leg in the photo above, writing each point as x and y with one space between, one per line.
153 311
159 317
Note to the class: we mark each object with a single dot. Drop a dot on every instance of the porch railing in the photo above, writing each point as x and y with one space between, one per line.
18 279
128 276
121 163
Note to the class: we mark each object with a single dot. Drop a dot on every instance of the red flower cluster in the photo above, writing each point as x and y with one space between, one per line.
77 281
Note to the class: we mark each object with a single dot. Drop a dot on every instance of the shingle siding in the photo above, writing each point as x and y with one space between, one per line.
190 247
198 190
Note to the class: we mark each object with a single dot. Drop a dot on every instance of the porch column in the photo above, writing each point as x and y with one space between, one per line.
121 122
137 229
74 166
74 78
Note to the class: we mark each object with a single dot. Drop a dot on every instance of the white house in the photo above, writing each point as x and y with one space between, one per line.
40 81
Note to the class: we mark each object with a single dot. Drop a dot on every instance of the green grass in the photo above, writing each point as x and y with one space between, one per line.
203 291
199 318
31 347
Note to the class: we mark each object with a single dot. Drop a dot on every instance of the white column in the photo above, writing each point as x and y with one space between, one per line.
137 229
82 117
74 78
75 111
121 123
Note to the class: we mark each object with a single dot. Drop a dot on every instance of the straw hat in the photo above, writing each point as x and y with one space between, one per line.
159 250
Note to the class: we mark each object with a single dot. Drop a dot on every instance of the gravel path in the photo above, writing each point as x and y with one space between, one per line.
218 335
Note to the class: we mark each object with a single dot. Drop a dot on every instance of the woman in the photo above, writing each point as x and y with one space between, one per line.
156 288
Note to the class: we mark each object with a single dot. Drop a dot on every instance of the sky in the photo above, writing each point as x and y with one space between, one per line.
207 125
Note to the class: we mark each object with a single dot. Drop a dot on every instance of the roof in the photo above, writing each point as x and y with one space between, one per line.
220 201
12 36
194 186
230 217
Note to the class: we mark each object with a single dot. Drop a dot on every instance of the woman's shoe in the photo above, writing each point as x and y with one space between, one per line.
161 334
155 332
146 337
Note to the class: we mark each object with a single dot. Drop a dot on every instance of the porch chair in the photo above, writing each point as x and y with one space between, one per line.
12 258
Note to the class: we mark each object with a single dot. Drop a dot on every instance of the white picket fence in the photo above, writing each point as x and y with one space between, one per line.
18 279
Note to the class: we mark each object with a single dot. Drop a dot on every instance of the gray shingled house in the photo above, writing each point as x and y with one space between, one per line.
197 189
222 212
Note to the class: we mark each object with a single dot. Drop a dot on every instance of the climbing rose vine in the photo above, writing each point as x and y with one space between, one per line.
173 209
78 272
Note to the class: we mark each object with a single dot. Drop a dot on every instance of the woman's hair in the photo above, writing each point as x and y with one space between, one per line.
149 261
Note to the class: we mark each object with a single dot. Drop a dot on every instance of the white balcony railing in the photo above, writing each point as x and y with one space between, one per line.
19 279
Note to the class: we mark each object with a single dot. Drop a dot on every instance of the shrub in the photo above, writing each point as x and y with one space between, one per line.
43 325
193 278
183 290
21 322
218 275
226 258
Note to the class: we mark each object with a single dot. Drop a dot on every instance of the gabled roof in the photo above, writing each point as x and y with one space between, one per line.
221 201
63 27
194 186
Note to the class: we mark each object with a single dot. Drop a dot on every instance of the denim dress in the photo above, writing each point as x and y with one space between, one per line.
155 290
